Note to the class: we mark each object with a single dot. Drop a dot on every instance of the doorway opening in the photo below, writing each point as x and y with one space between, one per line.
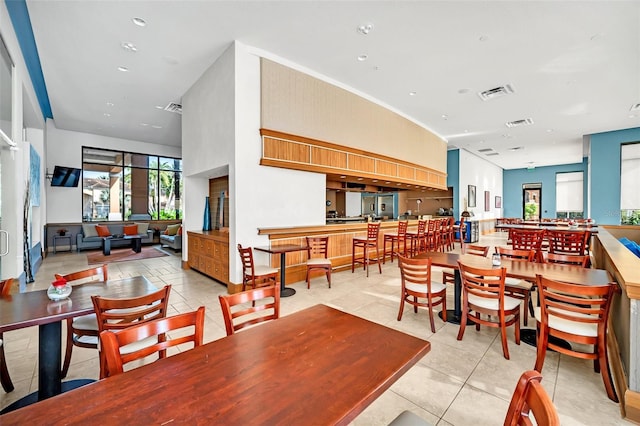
531 201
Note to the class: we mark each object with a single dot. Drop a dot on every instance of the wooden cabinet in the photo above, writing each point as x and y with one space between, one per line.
209 254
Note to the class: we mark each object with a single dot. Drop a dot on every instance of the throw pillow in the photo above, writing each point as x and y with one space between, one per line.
89 230
103 231
142 228
173 229
131 230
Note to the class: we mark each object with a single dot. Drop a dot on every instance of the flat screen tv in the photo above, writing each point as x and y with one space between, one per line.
65 176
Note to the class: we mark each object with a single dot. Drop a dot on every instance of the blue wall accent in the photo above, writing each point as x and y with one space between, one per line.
512 181
605 173
453 178
22 26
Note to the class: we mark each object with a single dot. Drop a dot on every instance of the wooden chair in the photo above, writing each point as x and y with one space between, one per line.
112 342
483 293
578 314
529 398
416 283
568 259
5 378
568 242
118 314
418 239
317 257
253 275
525 239
433 235
461 234
367 244
448 276
255 314
396 238
81 331
515 287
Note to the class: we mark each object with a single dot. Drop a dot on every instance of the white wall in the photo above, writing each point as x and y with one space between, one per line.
64 148
486 177
221 128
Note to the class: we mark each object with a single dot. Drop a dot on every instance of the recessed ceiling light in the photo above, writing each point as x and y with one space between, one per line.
483 38
412 93
516 148
130 47
375 180
123 69
343 177
106 114
159 107
155 126
444 116
549 130
139 22
463 91
144 124
365 29
362 58
359 178
387 183
110 104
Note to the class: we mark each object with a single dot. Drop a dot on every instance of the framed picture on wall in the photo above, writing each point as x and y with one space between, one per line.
487 201
498 202
472 195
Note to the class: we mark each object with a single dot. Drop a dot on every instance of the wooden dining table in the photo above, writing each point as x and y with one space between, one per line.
315 366
34 308
515 269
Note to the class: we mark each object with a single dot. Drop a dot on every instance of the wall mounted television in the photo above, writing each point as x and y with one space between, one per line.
65 176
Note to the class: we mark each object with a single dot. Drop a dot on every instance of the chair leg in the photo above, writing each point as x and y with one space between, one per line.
433 325
5 379
401 307
503 335
542 340
68 350
308 281
378 259
463 321
603 360
525 311
329 276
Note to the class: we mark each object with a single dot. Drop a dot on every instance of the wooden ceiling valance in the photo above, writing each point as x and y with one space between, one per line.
300 153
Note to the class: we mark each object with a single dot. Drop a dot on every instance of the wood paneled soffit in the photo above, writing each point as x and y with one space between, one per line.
342 163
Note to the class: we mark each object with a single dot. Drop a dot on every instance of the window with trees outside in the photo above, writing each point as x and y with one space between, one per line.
569 195
629 178
117 185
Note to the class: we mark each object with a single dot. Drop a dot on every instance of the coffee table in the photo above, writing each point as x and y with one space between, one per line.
136 242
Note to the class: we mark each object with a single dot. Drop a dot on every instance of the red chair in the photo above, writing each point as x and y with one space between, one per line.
515 287
396 238
253 275
529 398
578 314
525 239
238 316
367 244
416 283
418 240
448 276
317 258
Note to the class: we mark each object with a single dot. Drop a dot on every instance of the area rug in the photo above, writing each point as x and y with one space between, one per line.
124 254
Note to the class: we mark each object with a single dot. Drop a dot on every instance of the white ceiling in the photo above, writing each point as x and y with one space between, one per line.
574 65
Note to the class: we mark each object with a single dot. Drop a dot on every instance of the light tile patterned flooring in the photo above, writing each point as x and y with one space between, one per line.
458 383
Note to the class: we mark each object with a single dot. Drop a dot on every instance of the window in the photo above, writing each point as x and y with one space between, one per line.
116 185
629 178
569 195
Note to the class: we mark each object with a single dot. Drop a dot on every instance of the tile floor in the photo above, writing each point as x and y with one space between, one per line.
458 383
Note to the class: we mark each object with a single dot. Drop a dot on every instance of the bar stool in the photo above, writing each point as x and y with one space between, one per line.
396 237
417 240
370 242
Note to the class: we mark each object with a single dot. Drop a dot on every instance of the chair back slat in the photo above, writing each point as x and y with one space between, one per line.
373 229
415 271
522 239
485 283
402 229
568 259
568 242
528 398
317 246
111 341
116 314
233 307
475 250
518 255
99 271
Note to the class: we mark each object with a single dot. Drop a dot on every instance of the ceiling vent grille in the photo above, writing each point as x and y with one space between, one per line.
517 123
174 107
485 150
635 107
496 92
492 153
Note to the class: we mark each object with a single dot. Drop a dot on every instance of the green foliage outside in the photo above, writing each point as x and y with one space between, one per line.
630 217
530 211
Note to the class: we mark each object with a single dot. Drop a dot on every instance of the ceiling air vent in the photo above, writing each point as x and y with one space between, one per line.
485 150
492 153
517 123
635 107
496 92
174 107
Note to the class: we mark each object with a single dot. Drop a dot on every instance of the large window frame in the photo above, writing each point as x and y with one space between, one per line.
120 185
629 177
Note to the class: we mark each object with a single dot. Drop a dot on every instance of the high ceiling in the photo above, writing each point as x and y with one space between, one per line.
574 66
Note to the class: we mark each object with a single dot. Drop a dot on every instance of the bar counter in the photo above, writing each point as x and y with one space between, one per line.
339 251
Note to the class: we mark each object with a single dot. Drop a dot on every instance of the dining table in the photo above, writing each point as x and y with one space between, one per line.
282 250
336 365
34 308
515 269
551 227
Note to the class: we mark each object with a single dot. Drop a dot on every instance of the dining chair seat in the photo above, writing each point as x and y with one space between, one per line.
318 261
516 282
407 418
483 302
569 326
317 258
436 287
264 270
